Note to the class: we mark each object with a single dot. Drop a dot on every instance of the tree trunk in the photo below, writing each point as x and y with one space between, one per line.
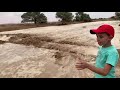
35 20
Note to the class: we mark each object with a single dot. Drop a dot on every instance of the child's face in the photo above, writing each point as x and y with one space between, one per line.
103 39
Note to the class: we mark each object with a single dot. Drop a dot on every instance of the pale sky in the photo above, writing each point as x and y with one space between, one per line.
15 17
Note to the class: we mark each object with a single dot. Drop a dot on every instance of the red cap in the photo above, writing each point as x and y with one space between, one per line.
103 28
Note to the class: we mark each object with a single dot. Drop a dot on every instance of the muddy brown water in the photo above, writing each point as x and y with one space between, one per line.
50 52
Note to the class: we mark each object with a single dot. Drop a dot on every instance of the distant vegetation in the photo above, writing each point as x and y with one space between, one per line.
35 17
117 14
64 18
38 19
81 16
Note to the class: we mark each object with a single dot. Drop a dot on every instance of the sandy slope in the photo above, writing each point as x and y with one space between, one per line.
53 53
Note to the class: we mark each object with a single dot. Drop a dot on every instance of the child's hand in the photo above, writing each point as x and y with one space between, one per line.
81 65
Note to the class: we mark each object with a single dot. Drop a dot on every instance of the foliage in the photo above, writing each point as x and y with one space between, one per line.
81 16
35 17
117 14
64 16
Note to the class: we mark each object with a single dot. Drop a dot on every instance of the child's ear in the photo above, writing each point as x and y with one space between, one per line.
111 37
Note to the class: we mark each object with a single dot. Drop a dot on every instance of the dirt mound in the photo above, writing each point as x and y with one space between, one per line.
2 42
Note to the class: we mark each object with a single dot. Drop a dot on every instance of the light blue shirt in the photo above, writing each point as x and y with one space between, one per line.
107 55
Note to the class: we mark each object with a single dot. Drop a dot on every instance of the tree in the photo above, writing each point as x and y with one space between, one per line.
117 14
78 16
81 16
35 17
41 18
64 17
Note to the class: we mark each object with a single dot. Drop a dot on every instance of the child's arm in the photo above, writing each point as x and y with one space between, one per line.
103 71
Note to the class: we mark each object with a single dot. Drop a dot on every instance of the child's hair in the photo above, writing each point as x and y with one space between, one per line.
107 33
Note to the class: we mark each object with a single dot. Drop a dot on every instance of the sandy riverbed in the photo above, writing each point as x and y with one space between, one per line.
51 52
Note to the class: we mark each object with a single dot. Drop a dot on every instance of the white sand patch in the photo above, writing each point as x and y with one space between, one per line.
4 38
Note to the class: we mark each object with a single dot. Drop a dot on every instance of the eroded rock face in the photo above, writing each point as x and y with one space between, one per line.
50 52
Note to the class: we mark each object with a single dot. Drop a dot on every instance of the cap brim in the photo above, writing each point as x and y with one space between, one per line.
93 31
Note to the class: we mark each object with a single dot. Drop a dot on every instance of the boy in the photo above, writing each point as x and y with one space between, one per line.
107 56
